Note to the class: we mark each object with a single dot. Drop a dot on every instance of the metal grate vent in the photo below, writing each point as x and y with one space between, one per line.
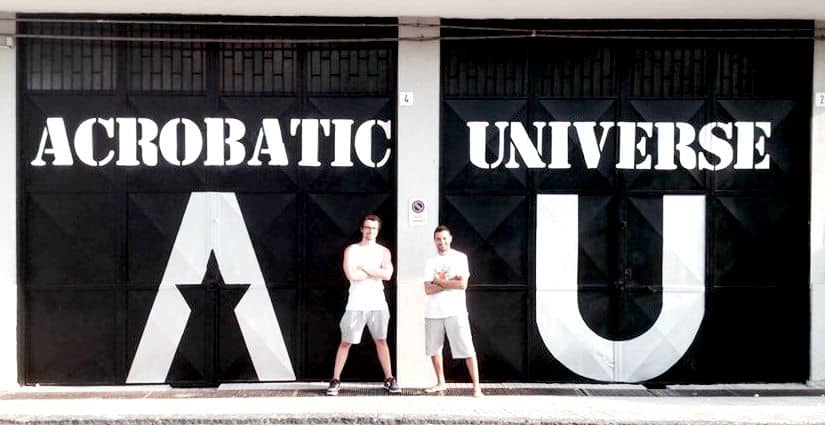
337 69
166 66
576 71
70 65
266 68
483 69
668 72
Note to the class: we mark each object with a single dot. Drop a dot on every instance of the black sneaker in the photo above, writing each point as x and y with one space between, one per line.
334 386
391 385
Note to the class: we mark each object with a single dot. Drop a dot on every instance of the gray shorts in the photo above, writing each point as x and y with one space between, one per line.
353 322
457 329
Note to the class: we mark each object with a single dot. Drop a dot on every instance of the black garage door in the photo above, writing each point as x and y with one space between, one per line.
659 168
187 190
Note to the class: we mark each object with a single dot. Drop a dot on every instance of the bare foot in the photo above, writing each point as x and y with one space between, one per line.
436 389
477 392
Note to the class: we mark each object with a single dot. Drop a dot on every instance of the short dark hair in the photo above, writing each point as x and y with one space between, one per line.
371 217
442 228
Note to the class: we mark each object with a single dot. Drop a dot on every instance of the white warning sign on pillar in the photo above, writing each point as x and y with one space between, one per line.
417 212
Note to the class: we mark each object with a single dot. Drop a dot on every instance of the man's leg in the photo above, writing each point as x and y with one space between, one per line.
378 323
472 368
352 326
340 359
438 368
434 344
461 343
383 351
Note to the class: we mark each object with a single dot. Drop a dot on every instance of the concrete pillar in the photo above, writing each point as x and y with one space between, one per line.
817 373
8 207
418 140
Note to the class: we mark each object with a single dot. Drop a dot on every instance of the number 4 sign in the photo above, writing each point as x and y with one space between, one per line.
407 98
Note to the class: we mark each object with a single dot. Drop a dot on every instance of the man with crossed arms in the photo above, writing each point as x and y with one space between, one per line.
367 265
446 277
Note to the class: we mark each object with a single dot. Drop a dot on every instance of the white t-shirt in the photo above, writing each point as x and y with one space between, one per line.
448 302
367 294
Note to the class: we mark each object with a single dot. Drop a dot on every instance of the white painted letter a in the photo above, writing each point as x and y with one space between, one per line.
212 222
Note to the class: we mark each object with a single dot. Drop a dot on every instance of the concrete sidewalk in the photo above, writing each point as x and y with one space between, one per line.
366 403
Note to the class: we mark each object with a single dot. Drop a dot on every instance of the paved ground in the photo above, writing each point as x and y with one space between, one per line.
366 403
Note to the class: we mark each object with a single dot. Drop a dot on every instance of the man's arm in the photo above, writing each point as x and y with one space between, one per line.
462 274
431 288
385 271
351 271
458 282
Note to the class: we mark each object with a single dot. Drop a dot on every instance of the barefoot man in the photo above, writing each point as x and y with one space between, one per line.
446 277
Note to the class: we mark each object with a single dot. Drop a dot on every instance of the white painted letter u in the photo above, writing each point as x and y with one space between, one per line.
565 332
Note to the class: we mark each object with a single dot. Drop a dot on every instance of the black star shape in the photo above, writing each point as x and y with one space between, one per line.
212 349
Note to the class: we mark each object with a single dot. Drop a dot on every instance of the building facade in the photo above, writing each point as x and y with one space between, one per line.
638 198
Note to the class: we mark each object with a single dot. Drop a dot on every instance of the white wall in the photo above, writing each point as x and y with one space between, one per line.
818 217
418 72
8 211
